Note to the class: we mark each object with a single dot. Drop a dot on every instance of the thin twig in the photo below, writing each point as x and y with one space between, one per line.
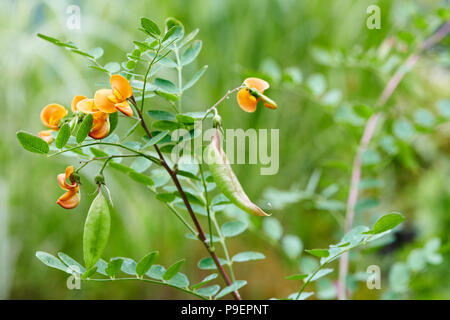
366 138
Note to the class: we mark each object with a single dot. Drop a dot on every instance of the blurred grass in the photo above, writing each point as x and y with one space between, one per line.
238 36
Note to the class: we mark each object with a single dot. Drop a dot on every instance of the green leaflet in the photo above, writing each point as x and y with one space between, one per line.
96 230
226 180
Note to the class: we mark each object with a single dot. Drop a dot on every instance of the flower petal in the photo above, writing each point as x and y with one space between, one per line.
121 87
52 114
87 106
70 199
46 135
64 177
75 101
100 129
125 108
257 84
103 102
246 101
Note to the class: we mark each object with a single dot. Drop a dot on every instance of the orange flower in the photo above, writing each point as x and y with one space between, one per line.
111 100
100 126
46 135
52 114
71 198
75 101
249 96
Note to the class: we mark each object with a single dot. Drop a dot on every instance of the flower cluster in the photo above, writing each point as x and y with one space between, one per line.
105 102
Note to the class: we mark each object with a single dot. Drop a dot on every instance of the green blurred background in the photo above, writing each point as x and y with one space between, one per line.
240 38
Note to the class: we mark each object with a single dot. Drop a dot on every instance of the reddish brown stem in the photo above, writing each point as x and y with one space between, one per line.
176 181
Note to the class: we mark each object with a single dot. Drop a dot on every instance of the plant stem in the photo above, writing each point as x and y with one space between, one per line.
151 281
207 205
180 75
173 175
366 138
221 100
151 158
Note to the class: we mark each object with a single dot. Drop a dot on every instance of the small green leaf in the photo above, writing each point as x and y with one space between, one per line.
120 167
32 143
272 228
165 86
52 261
173 269
297 277
71 263
191 53
248 256
399 277
161 115
101 266
150 26
386 222
89 273
208 263
292 245
156 139
113 121
187 175
113 267
63 136
96 230
233 228
195 78
141 178
205 281
84 128
112 67
96 52
233 287
164 125
165 197
322 253
146 262
98 153
129 266
141 164
156 272
179 280
209 291
321 273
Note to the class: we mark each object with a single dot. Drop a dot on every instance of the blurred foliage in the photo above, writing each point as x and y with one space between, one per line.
327 71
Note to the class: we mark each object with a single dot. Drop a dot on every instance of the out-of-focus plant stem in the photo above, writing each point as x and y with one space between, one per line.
366 138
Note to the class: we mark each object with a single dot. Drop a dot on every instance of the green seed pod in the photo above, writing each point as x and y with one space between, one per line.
96 230
226 180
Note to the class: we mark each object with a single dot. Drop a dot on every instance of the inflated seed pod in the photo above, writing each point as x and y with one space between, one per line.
226 180
96 230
